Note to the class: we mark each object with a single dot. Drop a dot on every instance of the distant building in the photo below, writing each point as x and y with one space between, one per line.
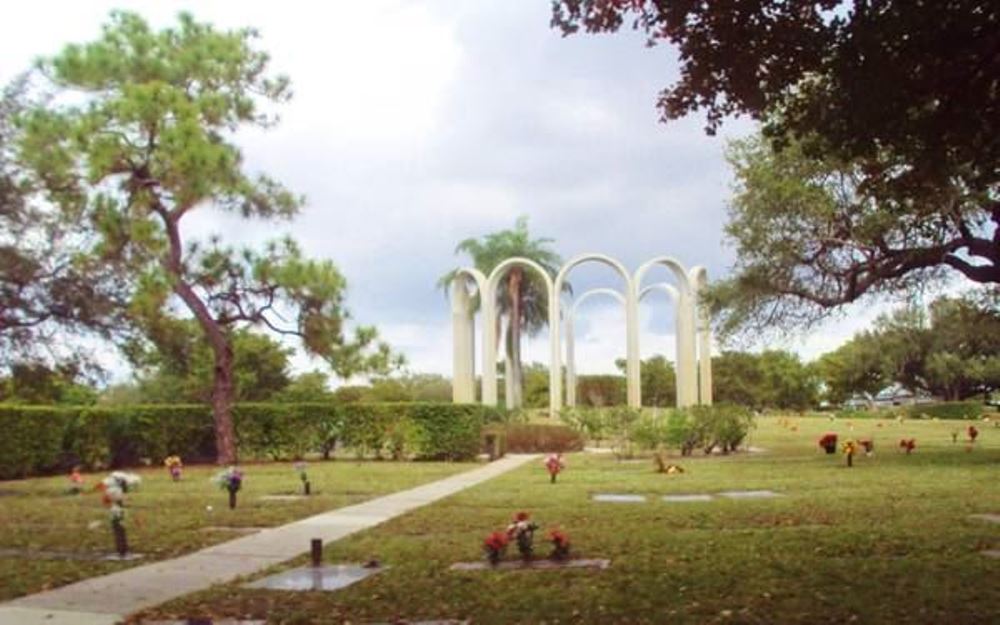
896 395
859 401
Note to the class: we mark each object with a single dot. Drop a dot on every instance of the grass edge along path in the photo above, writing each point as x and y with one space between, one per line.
108 599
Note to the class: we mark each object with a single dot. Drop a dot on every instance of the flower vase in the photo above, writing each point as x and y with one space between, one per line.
306 487
850 460
553 481
493 557
232 498
831 449
121 540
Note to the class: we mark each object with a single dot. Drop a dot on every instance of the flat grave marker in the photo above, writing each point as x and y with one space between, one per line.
532 565
619 498
750 494
687 498
327 578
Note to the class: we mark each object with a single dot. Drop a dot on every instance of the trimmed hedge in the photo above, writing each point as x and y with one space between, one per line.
948 410
46 439
535 437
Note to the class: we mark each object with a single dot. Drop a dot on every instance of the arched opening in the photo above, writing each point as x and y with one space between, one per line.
490 328
686 368
630 320
570 331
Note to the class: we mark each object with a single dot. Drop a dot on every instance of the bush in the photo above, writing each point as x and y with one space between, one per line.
948 410
536 438
592 423
49 439
600 390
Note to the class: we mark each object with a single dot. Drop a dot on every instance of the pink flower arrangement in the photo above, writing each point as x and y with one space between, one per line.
554 465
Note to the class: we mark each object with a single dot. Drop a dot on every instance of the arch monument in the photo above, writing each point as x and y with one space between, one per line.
692 323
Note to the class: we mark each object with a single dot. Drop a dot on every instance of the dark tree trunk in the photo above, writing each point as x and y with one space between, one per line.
223 397
514 291
223 386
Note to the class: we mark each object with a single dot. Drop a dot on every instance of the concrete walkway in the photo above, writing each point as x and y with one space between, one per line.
107 599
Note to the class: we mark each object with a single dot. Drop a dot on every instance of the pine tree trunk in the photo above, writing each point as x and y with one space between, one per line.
223 387
223 397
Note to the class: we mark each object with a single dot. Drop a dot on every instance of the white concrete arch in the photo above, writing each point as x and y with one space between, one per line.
570 320
463 327
687 376
490 332
631 318
698 276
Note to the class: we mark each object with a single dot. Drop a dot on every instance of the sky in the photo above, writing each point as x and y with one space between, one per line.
415 125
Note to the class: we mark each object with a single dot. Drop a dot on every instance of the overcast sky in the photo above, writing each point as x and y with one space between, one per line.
417 124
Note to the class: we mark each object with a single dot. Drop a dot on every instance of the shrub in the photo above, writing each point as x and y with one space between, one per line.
948 410
47 439
600 390
591 422
536 438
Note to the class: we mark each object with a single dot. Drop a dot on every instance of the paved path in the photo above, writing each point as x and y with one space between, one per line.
107 599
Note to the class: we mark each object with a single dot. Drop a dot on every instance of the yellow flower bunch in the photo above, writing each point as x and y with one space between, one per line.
850 448
173 461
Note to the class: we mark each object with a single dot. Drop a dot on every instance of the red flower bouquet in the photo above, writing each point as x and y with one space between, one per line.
494 546
560 545
973 433
829 442
907 444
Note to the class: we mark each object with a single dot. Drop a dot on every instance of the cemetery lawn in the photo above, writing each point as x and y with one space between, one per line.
887 541
50 538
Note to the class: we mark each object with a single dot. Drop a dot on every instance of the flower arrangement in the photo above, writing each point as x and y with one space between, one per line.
174 466
907 444
231 480
113 489
522 530
554 464
560 544
494 546
868 445
849 449
829 442
300 468
973 433
75 482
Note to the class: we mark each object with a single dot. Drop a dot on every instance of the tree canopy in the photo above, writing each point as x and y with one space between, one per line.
880 158
950 350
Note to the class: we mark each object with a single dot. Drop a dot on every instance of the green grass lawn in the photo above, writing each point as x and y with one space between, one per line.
166 519
887 541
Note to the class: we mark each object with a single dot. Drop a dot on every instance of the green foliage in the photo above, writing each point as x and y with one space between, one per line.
153 143
872 176
53 438
35 383
600 390
770 379
950 350
306 387
658 381
948 410
589 421
178 365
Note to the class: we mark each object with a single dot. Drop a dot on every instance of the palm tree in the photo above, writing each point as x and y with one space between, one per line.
521 299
